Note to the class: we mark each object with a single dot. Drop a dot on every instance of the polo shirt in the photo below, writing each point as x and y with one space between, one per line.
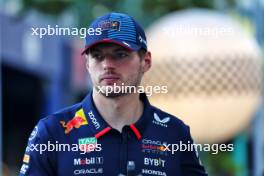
78 141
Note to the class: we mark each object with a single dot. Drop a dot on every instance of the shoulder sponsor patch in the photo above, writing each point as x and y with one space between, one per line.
24 169
158 121
33 133
26 158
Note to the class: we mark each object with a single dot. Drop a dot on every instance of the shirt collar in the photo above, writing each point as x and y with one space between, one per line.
101 127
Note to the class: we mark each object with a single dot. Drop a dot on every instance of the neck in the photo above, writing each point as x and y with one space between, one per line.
119 111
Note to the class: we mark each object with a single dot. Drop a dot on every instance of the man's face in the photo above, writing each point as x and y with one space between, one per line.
111 64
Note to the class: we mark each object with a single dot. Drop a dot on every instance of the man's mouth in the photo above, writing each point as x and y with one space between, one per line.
109 79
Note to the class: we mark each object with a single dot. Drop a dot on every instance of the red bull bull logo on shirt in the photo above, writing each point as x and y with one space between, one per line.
76 122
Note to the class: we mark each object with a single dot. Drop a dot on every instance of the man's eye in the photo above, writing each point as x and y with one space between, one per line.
121 55
97 56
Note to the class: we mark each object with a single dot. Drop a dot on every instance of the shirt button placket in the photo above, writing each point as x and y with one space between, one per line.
123 150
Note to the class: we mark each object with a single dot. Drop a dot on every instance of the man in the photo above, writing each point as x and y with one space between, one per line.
112 132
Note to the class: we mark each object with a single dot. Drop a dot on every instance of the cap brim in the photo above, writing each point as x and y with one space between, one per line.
127 45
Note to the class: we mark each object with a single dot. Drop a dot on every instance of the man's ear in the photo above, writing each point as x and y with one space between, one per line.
147 61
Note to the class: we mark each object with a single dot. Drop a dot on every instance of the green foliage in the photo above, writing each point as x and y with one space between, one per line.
47 7
86 10
220 164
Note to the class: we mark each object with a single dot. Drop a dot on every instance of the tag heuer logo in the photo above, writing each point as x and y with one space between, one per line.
162 122
90 140
88 144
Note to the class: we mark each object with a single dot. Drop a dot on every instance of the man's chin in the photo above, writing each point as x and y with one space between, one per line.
112 95
107 92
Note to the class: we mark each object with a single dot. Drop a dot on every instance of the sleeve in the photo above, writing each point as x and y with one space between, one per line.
37 159
191 162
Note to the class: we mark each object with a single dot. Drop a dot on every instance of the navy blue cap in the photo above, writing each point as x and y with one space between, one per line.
118 28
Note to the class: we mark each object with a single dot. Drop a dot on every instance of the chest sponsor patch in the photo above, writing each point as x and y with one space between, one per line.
94 120
158 162
153 146
153 172
76 122
89 144
88 171
88 161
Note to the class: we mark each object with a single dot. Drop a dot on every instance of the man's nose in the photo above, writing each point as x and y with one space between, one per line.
108 62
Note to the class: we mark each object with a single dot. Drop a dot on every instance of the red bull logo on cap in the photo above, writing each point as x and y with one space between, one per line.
109 24
76 122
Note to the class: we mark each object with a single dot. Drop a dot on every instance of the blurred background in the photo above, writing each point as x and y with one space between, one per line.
208 52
